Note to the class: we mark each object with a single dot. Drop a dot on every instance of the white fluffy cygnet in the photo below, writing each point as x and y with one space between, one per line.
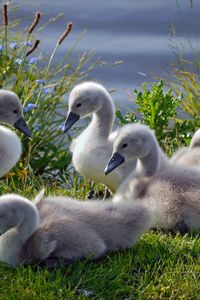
189 156
93 147
10 150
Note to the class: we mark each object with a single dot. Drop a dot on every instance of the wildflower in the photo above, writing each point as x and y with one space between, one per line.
61 127
34 60
85 292
37 126
40 81
1 47
10 174
18 61
29 107
28 44
22 173
13 45
48 90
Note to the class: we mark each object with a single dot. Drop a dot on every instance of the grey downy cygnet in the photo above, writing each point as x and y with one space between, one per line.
60 227
93 147
11 111
189 156
171 193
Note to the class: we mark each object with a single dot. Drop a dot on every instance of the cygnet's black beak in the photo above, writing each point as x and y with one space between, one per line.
115 161
72 118
21 125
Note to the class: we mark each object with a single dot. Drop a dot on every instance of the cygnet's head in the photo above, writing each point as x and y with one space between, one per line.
10 215
133 141
85 99
195 142
11 111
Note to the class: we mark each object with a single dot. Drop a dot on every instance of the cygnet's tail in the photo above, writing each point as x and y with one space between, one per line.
39 197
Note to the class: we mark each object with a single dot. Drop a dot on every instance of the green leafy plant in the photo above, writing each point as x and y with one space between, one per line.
162 110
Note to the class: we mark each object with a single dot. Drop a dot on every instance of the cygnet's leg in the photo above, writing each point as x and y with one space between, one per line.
107 194
90 194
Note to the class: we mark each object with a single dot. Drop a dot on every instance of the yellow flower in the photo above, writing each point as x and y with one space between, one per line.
10 174
22 173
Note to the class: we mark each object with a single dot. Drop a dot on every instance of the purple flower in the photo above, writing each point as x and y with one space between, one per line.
29 107
37 126
18 61
13 45
40 81
26 109
1 47
61 127
32 105
48 90
28 44
85 293
34 60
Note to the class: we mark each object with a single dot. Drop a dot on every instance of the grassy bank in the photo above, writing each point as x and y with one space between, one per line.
160 266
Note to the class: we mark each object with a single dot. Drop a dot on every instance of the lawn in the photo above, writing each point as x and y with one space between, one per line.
160 266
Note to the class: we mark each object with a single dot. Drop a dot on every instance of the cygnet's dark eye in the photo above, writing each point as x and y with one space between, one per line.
78 105
15 111
124 145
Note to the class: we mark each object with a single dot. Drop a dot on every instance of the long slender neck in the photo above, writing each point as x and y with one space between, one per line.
151 162
102 120
28 222
12 241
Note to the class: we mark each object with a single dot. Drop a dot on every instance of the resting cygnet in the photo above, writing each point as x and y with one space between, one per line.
11 111
10 150
93 147
172 194
189 156
59 227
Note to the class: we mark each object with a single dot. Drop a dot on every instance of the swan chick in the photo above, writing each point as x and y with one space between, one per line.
10 150
170 192
136 141
11 111
93 147
60 227
189 156
19 218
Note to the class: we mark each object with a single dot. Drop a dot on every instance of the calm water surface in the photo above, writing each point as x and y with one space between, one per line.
133 31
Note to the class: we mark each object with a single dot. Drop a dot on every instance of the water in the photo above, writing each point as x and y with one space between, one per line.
134 31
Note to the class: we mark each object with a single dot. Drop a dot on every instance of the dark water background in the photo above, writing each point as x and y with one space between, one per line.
133 31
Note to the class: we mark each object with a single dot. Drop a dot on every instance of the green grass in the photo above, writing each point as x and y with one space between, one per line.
160 266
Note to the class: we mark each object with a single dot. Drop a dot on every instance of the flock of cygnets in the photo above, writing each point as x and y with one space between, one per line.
150 190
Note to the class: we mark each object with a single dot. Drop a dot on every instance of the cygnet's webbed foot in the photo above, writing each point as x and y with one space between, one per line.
180 227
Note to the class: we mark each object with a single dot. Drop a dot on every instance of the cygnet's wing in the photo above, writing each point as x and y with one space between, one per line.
179 154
